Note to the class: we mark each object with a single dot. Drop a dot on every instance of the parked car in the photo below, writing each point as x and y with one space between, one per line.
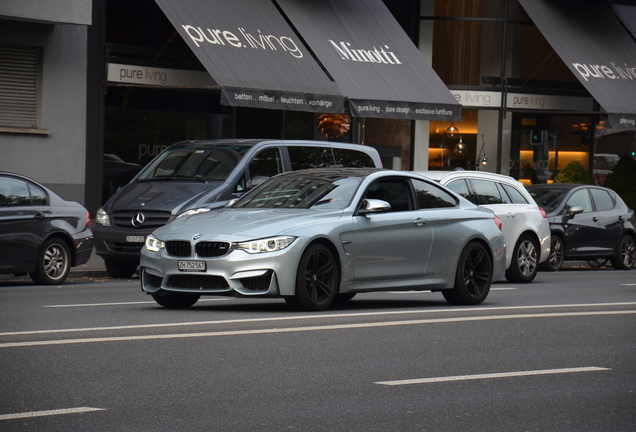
525 224
40 233
314 236
194 175
587 223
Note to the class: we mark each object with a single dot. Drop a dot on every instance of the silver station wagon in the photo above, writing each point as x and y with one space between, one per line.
317 236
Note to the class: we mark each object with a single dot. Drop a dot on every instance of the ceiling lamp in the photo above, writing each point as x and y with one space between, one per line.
452 131
460 147
334 125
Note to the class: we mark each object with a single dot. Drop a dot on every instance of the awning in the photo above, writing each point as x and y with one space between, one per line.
600 53
253 54
372 59
627 15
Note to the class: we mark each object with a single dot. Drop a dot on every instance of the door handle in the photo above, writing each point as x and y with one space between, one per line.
420 221
510 214
39 216
595 219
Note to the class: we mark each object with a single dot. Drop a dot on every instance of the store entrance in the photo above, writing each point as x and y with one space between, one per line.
544 144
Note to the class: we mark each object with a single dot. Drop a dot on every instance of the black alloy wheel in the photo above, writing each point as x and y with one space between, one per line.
626 254
556 257
473 277
525 260
317 279
54 263
173 300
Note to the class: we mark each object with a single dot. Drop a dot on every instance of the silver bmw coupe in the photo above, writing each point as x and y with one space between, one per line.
317 236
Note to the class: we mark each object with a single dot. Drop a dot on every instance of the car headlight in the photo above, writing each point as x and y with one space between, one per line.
102 217
153 244
192 212
271 244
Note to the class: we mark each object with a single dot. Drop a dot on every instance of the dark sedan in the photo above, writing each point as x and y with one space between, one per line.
587 223
40 233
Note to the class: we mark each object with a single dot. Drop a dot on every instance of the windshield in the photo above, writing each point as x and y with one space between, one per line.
549 198
197 164
316 193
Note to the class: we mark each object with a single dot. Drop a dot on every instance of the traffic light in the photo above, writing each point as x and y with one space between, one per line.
536 137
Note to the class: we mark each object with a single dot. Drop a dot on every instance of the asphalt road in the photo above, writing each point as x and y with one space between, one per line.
558 354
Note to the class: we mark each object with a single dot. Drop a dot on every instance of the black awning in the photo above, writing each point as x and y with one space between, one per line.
600 53
371 58
627 15
253 54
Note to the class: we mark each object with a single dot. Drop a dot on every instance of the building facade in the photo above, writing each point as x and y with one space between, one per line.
115 83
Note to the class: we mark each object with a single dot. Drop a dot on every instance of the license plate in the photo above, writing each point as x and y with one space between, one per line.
192 266
135 239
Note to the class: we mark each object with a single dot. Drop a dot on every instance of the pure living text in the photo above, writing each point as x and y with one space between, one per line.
242 39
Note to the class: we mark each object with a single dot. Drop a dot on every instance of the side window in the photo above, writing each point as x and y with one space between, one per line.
502 193
487 192
514 194
352 158
303 157
579 198
460 187
266 163
602 199
14 193
393 191
430 196
38 196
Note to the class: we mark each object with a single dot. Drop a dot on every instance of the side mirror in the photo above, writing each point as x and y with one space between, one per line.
257 180
374 206
574 210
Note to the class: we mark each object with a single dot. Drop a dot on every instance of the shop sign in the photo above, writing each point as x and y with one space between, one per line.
490 99
160 77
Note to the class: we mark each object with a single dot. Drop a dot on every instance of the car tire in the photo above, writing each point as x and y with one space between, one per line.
626 254
317 279
53 264
120 269
525 260
473 277
175 300
555 259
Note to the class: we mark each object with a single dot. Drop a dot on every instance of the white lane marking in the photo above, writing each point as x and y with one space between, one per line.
503 289
125 303
634 284
310 317
492 375
48 413
310 328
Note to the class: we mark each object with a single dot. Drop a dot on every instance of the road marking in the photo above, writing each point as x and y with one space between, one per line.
633 284
125 303
309 328
312 317
48 413
492 376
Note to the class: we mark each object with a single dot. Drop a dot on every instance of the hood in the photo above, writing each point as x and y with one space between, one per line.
242 224
158 195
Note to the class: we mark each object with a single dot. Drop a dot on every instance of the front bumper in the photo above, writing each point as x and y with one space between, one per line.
114 243
238 273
